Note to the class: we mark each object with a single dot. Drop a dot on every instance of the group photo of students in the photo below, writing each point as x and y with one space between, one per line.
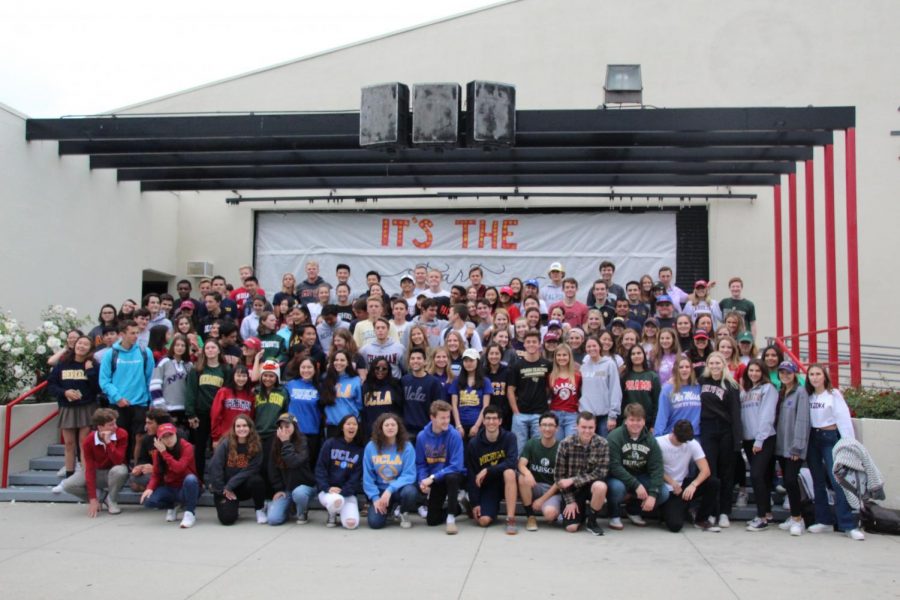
592 406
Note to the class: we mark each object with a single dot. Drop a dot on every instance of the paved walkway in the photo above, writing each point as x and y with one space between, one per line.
55 551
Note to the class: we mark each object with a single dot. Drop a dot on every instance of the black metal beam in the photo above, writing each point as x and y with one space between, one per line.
527 121
474 169
462 181
351 157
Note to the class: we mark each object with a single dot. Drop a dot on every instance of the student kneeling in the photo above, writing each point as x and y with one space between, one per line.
389 472
491 460
679 448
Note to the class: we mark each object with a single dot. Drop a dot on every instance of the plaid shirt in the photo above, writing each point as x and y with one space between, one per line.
583 463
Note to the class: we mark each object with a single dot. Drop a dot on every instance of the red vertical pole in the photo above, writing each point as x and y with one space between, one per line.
779 268
811 261
831 264
853 260
794 263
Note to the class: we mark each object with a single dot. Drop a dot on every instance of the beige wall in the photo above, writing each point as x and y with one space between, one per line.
70 235
693 54
24 416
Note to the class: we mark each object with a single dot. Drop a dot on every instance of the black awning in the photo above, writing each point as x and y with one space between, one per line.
553 148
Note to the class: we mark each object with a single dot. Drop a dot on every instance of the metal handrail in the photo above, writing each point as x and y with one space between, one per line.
7 430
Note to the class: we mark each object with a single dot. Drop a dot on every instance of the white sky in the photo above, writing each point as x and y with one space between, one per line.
74 58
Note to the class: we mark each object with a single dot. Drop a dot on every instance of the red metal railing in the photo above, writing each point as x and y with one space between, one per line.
833 363
7 430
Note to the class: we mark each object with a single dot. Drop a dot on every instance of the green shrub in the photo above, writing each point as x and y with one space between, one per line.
869 403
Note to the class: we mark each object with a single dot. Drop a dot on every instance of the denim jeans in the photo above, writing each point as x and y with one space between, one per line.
567 421
821 465
167 497
617 491
525 426
300 496
407 497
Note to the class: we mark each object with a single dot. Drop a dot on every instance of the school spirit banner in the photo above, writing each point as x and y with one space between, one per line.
504 245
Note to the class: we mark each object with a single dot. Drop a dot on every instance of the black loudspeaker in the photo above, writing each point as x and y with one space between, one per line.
491 108
384 116
435 114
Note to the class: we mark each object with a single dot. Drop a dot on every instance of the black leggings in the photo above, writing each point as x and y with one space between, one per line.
200 440
790 470
761 474
717 441
254 487
447 488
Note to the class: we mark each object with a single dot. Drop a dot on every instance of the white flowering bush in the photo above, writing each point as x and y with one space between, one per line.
24 354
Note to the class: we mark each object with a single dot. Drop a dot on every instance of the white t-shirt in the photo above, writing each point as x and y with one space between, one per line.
677 459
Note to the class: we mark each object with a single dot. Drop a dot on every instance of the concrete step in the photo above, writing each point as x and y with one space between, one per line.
46 463
56 450
35 478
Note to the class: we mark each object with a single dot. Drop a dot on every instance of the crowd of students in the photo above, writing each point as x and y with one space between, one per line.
442 402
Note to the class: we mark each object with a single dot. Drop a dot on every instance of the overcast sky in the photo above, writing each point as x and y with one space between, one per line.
75 58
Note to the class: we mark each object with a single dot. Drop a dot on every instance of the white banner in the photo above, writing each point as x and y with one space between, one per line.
504 245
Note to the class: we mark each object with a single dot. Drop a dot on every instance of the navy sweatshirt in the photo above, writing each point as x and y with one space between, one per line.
496 457
340 465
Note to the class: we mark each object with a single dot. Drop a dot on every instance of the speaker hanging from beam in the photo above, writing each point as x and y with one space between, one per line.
384 116
435 114
491 119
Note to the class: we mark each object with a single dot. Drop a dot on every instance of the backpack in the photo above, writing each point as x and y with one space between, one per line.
878 519
101 397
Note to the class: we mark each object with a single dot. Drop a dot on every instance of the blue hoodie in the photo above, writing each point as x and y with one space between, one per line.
304 404
674 406
347 400
387 469
439 454
131 380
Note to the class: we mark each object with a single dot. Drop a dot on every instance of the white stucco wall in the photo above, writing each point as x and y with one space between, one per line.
71 235
693 54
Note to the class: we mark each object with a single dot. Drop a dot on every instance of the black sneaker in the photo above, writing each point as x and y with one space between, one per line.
591 526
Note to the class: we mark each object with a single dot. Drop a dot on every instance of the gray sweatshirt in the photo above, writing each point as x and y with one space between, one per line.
601 393
390 350
168 385
758 412
793 424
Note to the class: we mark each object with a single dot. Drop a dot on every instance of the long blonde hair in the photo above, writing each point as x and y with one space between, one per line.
726 374
569 372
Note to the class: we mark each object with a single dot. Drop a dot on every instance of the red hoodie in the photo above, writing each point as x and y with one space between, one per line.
176 469
226 406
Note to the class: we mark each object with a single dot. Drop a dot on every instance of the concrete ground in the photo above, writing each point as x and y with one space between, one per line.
55 551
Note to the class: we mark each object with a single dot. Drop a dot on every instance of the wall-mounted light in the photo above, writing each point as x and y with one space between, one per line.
623 84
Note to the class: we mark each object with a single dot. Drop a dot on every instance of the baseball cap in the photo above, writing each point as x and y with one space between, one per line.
165 429
551 336
506 290
406 278
186 305
700 283
617 321
554 323
286 418
745 336
701 335
787 366
533 282
557 266
663 298
651 321
471 353
253 343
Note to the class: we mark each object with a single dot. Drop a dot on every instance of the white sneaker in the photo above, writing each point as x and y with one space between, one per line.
856 534
616 523
405 523
819 528
113 507
724 521
637 520
423 512
58 488
786 525
261 517
742 498
796 527
61 472
188 520
171 515
786 505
